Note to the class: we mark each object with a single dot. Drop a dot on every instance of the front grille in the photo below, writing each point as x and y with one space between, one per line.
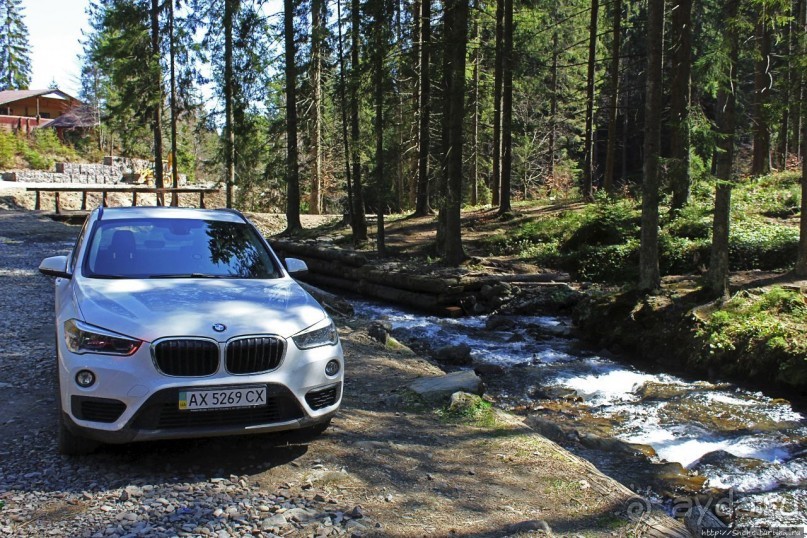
253 355
96 409
319 399
187 358
161 411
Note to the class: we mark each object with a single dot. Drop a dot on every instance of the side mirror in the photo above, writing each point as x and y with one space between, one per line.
55 266
295 266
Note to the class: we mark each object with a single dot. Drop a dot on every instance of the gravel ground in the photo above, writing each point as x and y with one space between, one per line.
187 488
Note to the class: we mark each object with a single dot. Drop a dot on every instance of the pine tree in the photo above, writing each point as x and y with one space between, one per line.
718 276
649 276
15 63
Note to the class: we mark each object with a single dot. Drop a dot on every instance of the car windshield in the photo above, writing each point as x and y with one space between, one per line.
177 248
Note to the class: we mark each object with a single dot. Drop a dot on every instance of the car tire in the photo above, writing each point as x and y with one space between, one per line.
69 443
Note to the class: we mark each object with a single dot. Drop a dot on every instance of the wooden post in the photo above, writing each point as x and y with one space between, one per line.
103 198
134 198
56 201
37 205
84 200
201 199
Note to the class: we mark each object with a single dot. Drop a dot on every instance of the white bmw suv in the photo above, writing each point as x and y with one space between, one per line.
177 323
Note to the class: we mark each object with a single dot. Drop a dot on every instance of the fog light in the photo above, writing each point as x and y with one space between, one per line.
332 368
85 378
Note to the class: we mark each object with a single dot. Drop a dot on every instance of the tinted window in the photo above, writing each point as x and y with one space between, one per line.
177 248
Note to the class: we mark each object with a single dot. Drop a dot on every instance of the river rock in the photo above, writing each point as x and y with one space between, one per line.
500 323
721 458
533 525
459 355
660 391
379 330
442 387
488 370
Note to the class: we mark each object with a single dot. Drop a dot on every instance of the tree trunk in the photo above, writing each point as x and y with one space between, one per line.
422 205
157 112
681 88
797 114
343 107
507 110
609 182
378 100
761 162
801 260
496 180
456 29
415 125
718 277
293 224
230 6
649 276
174 106
588 166
784 126
318 17
553 104
359 226
475 120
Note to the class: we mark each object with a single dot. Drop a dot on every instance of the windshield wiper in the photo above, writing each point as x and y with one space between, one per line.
187 275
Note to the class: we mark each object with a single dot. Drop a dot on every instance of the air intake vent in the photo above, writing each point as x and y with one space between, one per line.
187 358
97 409
319 399
254 355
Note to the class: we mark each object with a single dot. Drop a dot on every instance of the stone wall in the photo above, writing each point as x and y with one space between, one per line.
74 175
114 170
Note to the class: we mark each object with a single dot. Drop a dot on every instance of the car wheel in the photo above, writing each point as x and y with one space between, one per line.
70 444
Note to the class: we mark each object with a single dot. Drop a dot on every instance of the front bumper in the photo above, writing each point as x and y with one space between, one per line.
133 401
160 418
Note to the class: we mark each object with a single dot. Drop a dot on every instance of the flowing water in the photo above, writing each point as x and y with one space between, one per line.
748 446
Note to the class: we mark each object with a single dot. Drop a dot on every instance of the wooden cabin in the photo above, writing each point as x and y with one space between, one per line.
24 110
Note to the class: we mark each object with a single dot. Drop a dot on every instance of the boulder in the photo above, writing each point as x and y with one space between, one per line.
459 355
379 330
500 323
488 370
442 387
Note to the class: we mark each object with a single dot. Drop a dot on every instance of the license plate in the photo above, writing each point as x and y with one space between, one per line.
222 398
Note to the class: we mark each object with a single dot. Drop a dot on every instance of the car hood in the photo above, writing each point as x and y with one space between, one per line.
156 308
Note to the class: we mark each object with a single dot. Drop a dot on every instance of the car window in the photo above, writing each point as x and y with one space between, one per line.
177 248
77 247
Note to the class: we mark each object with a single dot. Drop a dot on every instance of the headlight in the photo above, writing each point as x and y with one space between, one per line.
322 334
83 338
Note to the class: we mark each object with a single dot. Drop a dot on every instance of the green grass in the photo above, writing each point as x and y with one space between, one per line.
759 332
600 242
39 151
470 410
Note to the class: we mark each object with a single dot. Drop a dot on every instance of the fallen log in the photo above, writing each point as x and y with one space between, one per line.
408 281
425 301
332 303
476 282
314 251
332 268
329 281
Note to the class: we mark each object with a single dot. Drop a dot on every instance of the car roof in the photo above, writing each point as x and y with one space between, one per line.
168 212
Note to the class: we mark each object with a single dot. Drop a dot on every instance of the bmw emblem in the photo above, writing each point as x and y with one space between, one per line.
219 327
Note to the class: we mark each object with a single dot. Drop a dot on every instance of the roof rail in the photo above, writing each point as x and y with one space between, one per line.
100 211
231 210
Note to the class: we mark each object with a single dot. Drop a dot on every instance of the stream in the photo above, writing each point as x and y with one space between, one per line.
749 450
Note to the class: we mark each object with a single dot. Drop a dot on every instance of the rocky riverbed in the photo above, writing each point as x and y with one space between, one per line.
388 466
